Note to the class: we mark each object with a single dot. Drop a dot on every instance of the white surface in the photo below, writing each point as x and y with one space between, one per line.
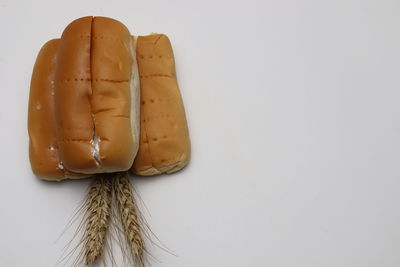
294 118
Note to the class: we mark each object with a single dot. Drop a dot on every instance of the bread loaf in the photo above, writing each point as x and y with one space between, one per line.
93 115
86 110
164 138
43 146
93 96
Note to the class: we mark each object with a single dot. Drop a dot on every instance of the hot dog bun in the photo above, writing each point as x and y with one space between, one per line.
93 97
90 124
164 138
89 116
43 146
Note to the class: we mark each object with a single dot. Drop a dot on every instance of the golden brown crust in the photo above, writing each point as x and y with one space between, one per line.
86 126
93 96
164 139
73 89
43 147
111 62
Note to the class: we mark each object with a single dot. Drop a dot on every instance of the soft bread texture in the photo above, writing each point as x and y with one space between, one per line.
93 97
135 96
164 137
43 146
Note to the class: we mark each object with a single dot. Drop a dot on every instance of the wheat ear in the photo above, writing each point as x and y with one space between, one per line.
128 212
97 213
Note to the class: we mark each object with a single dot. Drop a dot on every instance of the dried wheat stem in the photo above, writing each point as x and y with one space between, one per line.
97 213
128 212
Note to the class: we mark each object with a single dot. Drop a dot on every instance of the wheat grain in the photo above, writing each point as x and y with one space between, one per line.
98 210
128 212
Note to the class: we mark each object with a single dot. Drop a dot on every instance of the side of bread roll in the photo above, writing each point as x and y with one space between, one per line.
43 146
93 97
164 137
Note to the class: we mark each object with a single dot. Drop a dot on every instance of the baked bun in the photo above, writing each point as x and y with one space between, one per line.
85 113
43 145
164 143
95 96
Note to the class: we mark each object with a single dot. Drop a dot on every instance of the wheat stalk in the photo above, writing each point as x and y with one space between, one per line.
97 215
129 216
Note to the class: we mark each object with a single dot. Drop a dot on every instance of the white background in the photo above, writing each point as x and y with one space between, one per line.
294 116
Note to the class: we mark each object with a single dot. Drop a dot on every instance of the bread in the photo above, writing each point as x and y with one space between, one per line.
164 143
95 96
85 114
93 107
43 146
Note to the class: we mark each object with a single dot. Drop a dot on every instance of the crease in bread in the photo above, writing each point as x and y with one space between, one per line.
95 147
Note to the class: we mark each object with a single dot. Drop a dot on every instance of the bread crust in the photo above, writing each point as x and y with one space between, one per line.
164 143
93 97
83 108
43 146
86 126
75 125
111 62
